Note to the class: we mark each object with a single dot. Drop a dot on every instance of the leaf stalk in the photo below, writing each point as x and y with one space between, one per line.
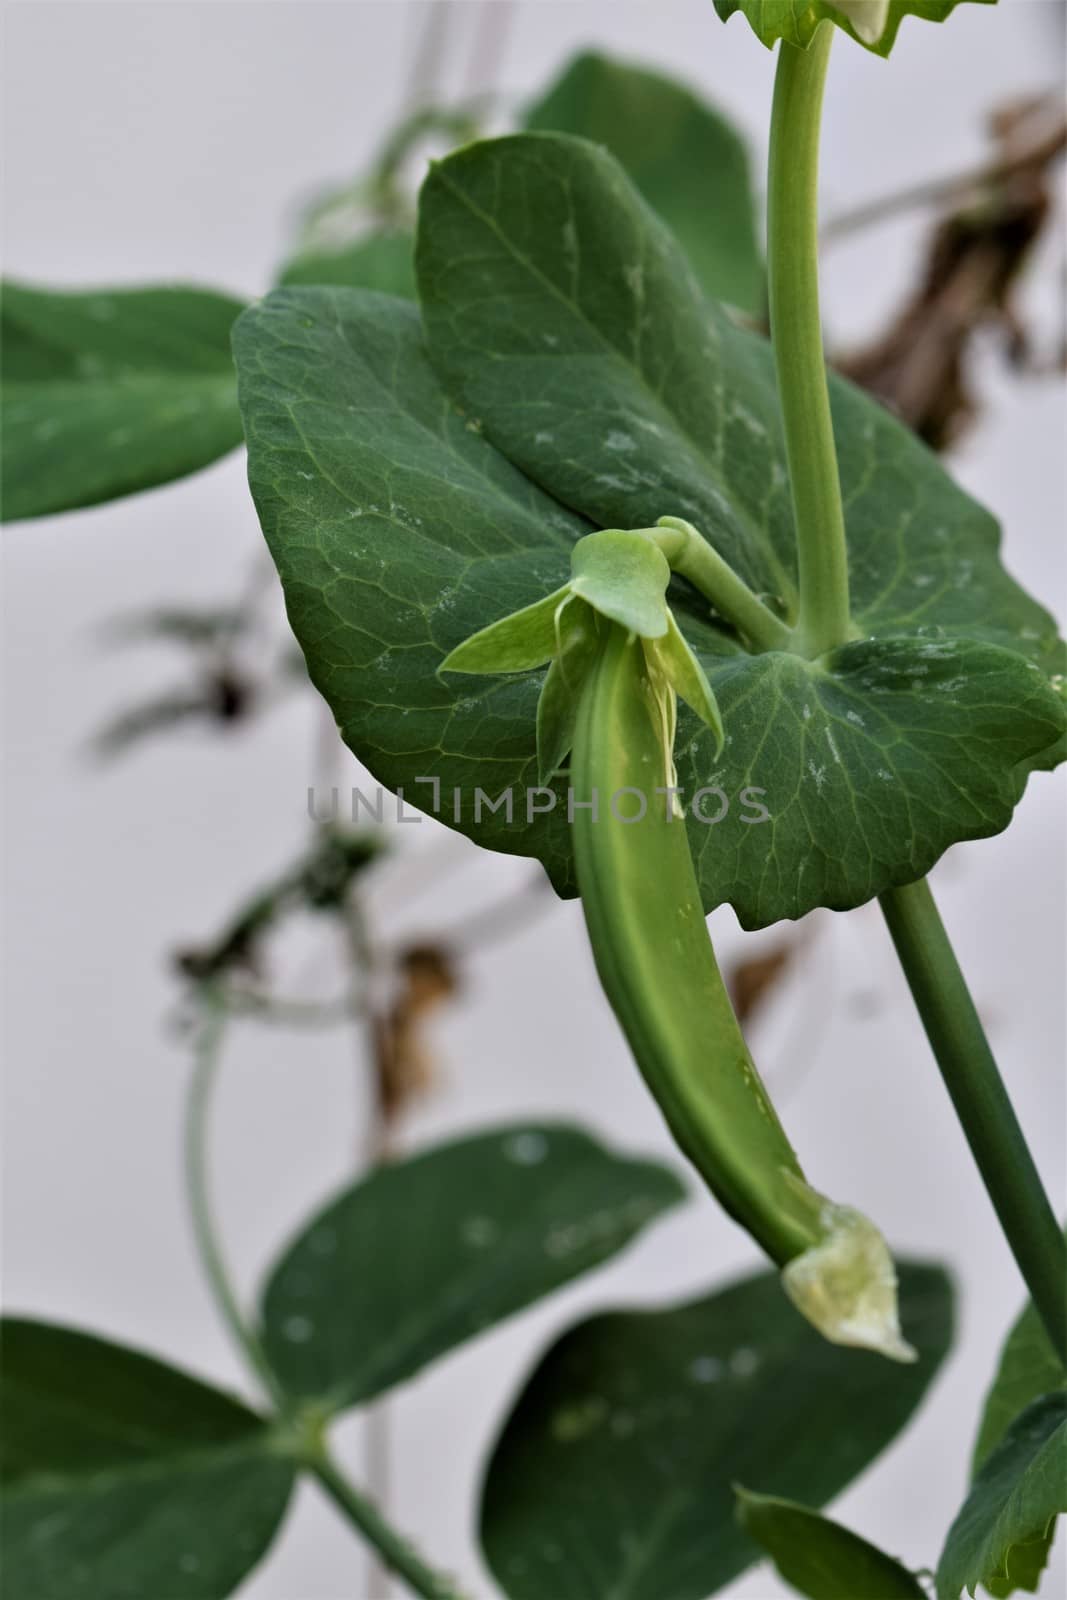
689 554
202 1085
396 1553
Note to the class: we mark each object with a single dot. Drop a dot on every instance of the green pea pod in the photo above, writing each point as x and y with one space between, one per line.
618 663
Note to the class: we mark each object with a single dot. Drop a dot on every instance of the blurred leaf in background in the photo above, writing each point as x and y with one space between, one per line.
426 1253
820 1558
109 391
123 1476
687 160
614 1472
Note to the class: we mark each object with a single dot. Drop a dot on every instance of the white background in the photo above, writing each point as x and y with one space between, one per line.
146 141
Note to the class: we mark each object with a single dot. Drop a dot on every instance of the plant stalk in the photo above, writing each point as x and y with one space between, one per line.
395 1551
981 1101
796 334
208 1056
396 1554
694 558
948 1014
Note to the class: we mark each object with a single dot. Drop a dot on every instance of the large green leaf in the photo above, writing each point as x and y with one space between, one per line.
384 261
396 529
111 391
690 164
399 531
614 1472
820 1558
1000 1537
596 365
430 1251
122 1477
872 23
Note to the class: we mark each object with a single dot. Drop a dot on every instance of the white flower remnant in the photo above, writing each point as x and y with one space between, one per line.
847 1286
868 17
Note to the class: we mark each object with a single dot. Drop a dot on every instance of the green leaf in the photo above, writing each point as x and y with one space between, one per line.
428 1252
614 1472
872 23
398 532
1028 1368
121 1476
1000 1537
597 367
820 1558
384 261
111 391
690 164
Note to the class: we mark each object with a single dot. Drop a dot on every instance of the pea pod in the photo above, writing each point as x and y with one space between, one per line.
618 663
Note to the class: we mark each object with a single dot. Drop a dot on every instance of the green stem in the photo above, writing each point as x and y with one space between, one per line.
796 333
981 1101
395 1552
690 554
197 1114
948 1014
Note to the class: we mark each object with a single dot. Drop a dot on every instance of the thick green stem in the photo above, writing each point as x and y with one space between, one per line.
796 333
310 1450
691 555
940 991
981 1101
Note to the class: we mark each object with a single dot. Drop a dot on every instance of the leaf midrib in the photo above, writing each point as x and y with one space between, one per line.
41 1482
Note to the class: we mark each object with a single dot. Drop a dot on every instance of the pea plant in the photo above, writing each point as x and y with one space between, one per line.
576 555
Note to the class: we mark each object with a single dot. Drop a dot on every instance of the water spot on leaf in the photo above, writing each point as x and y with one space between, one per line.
744 1362
479 1232
575 1421
526 1149
705 1369
298 1330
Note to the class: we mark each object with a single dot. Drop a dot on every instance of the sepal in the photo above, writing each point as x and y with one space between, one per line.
517 643
872 23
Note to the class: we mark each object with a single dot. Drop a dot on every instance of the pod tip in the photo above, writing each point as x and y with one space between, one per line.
846 1285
